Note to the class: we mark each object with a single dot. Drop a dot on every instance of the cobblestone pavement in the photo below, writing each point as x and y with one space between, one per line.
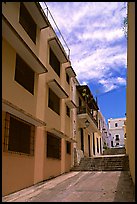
86 186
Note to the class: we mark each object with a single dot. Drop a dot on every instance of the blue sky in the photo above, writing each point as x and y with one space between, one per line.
98 49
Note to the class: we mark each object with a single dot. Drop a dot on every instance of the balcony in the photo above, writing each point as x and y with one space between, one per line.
84 111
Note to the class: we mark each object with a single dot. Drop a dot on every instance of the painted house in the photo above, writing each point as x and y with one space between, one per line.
103 127
116 129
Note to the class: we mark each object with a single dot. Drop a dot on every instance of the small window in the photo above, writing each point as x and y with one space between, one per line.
117 137
53 146
116 125
24 75
68 147
117 144
54 62
97 146
54 102
19 135
27 22
67 78
68 111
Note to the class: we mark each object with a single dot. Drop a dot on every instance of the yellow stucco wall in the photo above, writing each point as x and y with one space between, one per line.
11 90
130 128
17 170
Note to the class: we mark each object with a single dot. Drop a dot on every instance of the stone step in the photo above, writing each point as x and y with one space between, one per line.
103 163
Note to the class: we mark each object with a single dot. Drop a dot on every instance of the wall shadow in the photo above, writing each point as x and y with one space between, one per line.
125 191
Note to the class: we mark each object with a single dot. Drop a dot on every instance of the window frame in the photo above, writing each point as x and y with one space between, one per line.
117 137
24 75
27 22
68 147
53 102
67 111
9 144
53 146
54 62
67 78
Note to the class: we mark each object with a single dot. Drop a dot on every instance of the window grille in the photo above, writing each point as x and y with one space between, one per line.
19 136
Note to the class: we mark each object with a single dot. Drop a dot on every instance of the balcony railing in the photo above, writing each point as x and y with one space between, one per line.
84 109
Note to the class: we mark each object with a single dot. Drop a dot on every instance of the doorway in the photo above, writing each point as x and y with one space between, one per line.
93 143
82 139
89 145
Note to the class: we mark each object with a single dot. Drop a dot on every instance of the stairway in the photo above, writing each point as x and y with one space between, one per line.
114 151
103 163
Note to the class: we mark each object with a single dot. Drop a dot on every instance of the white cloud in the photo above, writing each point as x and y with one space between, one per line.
93 31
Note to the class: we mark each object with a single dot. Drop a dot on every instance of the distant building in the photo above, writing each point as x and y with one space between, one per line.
116 129
103 127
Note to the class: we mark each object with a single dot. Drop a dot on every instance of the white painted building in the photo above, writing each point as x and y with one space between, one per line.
103 127
116 129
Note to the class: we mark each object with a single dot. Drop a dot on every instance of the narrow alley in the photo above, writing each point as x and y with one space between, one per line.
80 186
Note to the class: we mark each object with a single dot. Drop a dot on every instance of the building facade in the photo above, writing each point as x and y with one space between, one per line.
37 99
116 129
89 139
130 107
47 122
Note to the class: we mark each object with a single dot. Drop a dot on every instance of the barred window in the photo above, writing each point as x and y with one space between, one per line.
27 22
68 147
19 136
53 146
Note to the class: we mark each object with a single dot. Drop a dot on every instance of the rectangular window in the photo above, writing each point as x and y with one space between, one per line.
97 146
24 75
68 147
19 135
67 78
68 111
54 102
54 62
117 137
116 125
53 146
27 22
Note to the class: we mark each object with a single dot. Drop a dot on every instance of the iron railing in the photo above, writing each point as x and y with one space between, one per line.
86 109
56 28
